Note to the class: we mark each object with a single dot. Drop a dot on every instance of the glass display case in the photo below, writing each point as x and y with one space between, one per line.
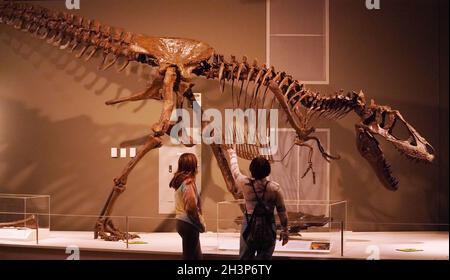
315 226
24 216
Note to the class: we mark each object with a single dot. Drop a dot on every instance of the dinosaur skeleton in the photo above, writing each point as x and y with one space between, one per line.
178 60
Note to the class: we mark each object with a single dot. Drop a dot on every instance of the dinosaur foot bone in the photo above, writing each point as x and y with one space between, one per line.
106 230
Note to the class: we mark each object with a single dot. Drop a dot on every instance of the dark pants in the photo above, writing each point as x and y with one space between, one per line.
247 253
191 240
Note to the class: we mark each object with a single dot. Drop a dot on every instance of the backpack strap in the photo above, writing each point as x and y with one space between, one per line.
261 200
245 205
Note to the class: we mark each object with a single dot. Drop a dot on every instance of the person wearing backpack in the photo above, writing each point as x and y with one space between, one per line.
262 196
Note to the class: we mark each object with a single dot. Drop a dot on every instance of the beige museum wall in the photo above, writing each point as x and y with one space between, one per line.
56 132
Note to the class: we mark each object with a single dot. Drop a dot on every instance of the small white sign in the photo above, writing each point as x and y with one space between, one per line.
122 152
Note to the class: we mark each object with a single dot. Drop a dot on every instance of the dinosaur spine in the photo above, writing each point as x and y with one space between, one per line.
69 31
296 94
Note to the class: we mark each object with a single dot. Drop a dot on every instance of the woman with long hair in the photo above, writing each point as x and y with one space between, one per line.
190 222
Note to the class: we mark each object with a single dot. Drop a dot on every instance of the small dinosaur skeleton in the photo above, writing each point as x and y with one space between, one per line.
179 60
30 222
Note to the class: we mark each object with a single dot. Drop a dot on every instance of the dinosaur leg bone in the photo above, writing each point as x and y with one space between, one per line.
104 227
322 151
170 78
226 172
310 165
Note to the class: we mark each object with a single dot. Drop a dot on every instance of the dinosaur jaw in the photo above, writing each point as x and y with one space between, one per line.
415 147
389 124
369 149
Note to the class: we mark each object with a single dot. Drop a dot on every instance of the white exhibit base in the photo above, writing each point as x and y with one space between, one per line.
25 234
358 245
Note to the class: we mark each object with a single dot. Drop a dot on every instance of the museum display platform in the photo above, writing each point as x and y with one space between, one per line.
414 245
326 235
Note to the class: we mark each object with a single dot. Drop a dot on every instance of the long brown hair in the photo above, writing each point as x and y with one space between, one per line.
187 169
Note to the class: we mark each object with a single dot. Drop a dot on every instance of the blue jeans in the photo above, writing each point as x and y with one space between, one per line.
246 253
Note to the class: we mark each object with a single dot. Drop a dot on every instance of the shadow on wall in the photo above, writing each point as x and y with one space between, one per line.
70 159
67 159
37 52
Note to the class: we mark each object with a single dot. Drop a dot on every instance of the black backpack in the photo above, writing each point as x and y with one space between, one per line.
259 234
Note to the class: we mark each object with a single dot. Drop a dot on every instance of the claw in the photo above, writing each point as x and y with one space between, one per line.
106 230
